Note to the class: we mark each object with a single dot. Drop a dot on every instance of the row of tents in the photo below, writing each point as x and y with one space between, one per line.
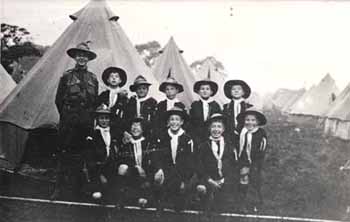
323 105
30 105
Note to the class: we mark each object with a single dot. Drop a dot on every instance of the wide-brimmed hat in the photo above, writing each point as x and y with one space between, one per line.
228 88
259 116
82 48
213 85
171 81
112 69
102 109
216 116
140 80
176 111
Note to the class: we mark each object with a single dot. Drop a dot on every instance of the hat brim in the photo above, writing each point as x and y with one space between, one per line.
176 112
260 117
120 71
133 87
96 113
213 85
74 51
179 87
216 118
228 88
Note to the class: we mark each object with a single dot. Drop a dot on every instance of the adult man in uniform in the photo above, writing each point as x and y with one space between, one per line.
75 100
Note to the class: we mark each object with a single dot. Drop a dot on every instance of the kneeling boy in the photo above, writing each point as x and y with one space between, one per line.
174 162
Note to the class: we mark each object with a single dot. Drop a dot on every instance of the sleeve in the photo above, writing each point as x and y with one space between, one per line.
60 94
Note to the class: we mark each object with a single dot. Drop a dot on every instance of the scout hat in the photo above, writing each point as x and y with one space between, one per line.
102 109
176 111
82 48
259 116
120 71
228 88
213 85
140 80
216 116
170 81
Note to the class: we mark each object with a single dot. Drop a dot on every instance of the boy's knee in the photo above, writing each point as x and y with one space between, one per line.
123 169
201 189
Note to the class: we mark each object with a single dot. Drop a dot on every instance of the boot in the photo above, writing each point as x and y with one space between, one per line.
242 193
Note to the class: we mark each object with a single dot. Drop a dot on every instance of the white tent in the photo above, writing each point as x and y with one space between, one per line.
32 103
317 100
7 84
171 61
338 116
293 99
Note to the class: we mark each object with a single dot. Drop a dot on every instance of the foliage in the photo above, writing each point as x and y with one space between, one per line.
149 51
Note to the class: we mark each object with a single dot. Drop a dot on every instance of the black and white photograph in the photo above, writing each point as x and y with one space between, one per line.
173 110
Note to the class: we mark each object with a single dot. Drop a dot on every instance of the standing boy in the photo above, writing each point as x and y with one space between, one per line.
114 97
170 87
141 105
202 109
251 154
237 91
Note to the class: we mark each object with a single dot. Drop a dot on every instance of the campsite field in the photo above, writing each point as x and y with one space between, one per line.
301 179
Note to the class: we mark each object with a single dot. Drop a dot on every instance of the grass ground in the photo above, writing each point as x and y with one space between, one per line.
301 179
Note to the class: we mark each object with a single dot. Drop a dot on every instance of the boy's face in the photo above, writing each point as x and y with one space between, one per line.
114 79
136 129
171 91
175 122
103 120
250 122
216 129
205 91
81 59
237 91
142 91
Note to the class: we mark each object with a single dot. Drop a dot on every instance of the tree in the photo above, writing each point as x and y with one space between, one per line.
218 65
149 51
16 43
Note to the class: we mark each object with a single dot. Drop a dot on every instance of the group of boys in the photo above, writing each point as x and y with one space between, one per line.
158 149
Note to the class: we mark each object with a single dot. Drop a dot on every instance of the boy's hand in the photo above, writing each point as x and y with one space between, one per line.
127 137
214 184
141 171
159 176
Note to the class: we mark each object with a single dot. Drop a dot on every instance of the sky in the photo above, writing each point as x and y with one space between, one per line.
269 44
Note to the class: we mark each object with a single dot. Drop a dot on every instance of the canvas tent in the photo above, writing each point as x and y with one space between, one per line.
31 103
6 84
297 95
172 62
314 104
281 97
338 116
208 71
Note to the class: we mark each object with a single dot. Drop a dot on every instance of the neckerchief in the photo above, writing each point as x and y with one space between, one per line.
138 104
174 142
237 108
205 105
170 103
113 96
218 155
242 140
106 135
137 145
